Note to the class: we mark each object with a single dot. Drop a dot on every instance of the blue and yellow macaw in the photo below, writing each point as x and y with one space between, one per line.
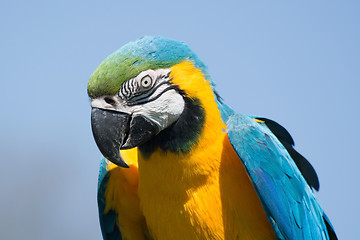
180 164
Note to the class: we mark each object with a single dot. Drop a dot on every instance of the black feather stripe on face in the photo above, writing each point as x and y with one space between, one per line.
182 134
145 96
133 94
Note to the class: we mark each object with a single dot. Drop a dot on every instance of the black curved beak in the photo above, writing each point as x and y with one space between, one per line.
117 130
109 129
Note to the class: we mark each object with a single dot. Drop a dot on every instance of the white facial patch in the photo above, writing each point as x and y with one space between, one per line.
163 111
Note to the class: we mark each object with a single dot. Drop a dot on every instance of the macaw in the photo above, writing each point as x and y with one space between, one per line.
181 164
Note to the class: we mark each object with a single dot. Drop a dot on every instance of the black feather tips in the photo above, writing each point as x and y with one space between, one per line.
287 141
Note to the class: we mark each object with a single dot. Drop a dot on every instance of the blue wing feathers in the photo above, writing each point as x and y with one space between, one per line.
109 228
287 141
287 198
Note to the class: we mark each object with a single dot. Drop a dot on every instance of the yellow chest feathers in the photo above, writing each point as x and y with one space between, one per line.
204 196
205 193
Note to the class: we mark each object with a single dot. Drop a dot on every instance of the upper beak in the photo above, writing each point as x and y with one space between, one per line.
110 129
114 130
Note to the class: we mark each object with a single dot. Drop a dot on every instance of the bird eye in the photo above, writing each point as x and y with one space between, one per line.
146 81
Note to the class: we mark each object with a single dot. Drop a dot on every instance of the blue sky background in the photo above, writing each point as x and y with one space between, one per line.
294 62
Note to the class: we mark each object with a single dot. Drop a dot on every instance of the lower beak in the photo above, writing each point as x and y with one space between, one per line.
114 130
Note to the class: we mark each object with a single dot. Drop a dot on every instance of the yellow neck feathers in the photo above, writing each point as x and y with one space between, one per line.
193 82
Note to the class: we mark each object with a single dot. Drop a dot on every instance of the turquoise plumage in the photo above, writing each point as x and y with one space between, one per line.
135 57
288 200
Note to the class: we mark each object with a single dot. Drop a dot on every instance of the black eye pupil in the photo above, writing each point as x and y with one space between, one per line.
146 81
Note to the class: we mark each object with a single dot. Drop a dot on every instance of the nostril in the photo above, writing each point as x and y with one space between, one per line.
109 101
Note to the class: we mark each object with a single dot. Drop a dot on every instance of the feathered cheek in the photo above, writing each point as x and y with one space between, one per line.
163 111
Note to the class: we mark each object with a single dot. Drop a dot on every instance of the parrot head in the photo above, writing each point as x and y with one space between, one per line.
146 95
